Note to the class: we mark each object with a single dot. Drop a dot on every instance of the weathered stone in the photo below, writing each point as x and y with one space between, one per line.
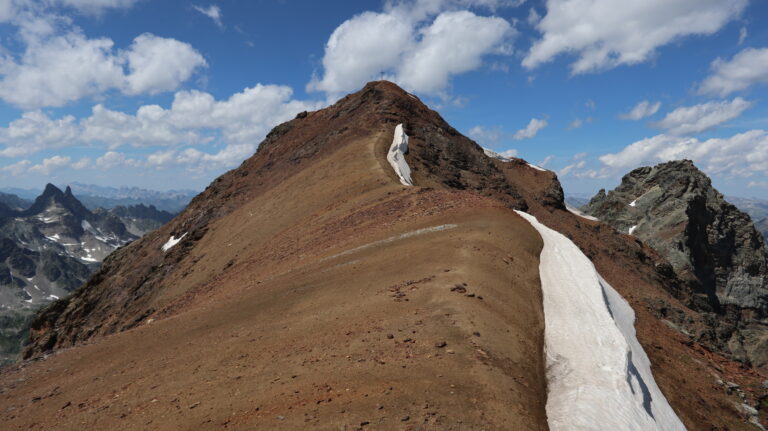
709 243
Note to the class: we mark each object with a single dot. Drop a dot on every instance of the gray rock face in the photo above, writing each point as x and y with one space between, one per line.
47 251
138 219
710 243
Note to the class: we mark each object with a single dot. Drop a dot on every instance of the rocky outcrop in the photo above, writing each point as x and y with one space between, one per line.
709 242
139 219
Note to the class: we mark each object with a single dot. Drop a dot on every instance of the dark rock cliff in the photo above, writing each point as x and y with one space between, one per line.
710 243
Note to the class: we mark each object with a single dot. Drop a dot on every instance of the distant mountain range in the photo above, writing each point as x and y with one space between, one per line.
50 246
14 202
94 196
756 208
577 200
139 219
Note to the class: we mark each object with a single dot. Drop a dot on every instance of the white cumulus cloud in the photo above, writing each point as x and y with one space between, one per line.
19 168
50 164
698 118
420 45
47 166
188 129
213 12
642 110
112 159
533 127
744 154
35 131
453 44
362 48
747 68
10 9
605 34
57 64
568 168
60 70
159 64
486 136
98 6
198 161
742 35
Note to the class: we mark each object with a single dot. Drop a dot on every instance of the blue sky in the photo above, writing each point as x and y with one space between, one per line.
170 94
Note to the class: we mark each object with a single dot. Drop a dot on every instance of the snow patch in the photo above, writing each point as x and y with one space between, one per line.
598 374
47 220
396 156
89 227
578 212
494 155
172 241
27 293
632 229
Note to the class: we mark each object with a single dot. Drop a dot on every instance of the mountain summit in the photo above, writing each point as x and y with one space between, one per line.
313 287
673 208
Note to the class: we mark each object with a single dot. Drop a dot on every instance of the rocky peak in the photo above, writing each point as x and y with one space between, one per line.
51 190
53 195
438 155
674 208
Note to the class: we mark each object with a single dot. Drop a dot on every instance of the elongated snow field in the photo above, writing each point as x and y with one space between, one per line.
396 156
598 375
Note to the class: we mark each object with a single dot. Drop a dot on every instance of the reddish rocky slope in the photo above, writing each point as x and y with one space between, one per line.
312 290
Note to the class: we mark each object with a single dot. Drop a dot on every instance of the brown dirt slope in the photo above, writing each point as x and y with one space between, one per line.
333 298
275 311
126 290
